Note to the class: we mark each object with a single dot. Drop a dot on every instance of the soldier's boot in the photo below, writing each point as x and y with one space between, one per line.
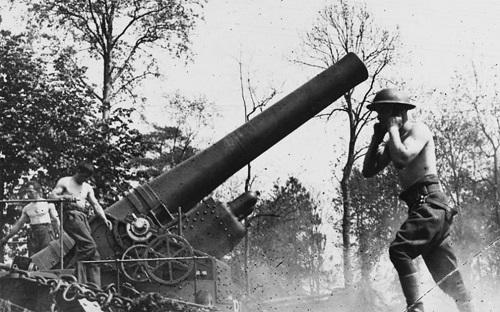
409 285
465 306
416 307
454 286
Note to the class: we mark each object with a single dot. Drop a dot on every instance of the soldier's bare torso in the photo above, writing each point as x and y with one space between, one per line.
80 192
424 163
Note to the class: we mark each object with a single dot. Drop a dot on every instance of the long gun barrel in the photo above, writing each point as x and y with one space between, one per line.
192 180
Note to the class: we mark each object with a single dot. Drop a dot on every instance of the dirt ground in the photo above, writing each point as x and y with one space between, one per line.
358 301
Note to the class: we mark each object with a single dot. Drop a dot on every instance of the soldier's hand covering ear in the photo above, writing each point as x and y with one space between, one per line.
379 130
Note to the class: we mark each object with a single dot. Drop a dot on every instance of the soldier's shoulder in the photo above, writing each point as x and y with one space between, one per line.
27 207
64 179
87 186
420 127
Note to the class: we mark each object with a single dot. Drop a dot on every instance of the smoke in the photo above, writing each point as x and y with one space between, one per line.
273 289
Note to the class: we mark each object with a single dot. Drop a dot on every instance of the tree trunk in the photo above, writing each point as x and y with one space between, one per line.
346 225
346 238
496 182
346 200
107 86
2 222
364 257
245 259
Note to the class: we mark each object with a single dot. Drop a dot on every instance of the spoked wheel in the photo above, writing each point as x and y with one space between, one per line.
120 234
178 264
135 271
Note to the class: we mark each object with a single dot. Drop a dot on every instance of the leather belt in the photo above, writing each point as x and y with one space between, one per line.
418 193
75 208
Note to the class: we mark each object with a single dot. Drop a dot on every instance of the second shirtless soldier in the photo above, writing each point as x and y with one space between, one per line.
75 215
410 147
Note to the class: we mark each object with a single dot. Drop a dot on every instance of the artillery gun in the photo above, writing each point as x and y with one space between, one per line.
168 237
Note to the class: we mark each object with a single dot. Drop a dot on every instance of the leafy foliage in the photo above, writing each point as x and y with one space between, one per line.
168 146
120 34
292 258
48 124
377 214
111 145
42 114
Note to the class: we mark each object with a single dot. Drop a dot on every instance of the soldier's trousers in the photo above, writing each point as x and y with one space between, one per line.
77 227
426 232
40 236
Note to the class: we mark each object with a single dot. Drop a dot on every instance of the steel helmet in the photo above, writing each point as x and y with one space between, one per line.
390 96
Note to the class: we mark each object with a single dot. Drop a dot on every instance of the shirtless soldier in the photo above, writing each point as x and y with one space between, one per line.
41 216
76 224
410 147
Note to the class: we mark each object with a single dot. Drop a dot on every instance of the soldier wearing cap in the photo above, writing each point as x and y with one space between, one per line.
410 147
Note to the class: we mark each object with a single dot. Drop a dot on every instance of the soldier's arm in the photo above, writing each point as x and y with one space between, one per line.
16 227
404 152
59 191
377 157
54 217
97 207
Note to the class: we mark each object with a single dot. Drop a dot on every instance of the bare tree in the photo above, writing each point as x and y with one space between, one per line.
473 110
343 28
457 152
252 104
484 103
